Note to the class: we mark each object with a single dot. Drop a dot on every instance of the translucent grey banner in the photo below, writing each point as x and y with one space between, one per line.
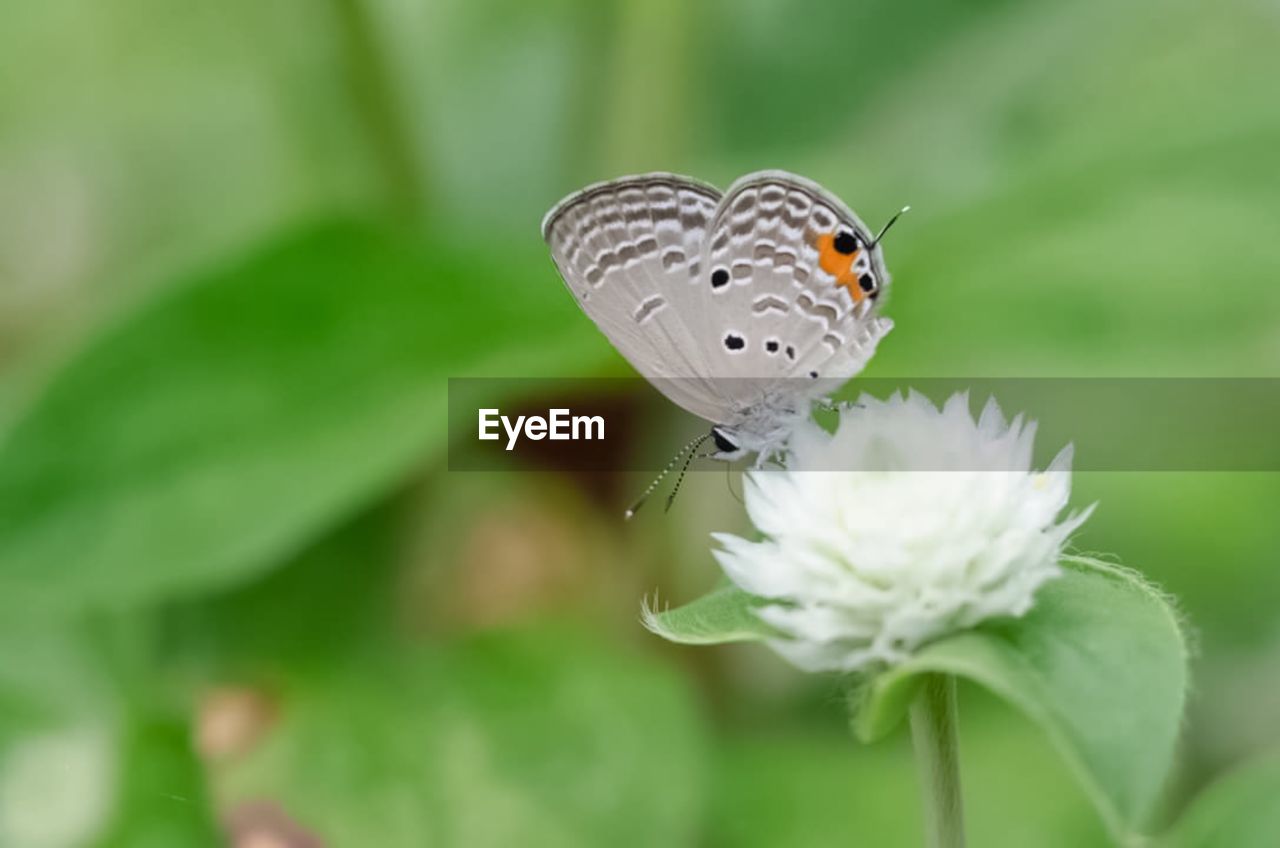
620 424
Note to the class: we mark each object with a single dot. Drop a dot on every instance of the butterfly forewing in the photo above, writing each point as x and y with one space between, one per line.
629 251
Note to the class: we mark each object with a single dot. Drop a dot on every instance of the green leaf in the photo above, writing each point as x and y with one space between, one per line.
1238 811
726 614
1099 663
530 738
224 425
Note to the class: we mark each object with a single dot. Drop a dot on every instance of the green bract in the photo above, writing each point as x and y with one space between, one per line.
726 614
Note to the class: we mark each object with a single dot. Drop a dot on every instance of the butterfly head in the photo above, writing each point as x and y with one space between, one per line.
728 444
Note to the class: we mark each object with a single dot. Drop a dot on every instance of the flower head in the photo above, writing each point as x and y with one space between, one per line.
907 523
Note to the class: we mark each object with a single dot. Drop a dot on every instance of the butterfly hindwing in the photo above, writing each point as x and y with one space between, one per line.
785 265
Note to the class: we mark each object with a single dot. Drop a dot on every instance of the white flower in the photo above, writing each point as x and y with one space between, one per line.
906 524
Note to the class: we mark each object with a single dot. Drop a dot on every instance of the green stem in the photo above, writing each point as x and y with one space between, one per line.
379 106
649 99
933 734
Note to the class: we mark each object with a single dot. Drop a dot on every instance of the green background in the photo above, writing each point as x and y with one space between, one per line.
243 246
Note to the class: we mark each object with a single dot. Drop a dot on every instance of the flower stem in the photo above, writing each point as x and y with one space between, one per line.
933 734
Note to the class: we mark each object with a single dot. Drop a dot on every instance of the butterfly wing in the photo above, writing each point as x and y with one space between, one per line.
629 252
722 301
792 277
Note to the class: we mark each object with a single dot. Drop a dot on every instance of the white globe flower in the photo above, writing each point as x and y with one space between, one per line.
906 524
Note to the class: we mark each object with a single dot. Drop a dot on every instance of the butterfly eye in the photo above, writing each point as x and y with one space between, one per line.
845 242
722 440
867 283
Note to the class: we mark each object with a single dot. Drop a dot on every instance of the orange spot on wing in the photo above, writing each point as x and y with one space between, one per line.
839 265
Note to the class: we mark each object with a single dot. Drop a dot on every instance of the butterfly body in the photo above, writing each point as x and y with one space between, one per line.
743 307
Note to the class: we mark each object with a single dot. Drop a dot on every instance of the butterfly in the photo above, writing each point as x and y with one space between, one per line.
743 308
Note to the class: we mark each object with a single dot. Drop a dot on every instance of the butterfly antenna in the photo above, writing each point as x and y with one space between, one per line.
687 449
675 490
891 222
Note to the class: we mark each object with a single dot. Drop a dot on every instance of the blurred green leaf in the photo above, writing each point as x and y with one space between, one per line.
726 614
529 738
1099 663
222 426
1238 811
161 791
332 600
